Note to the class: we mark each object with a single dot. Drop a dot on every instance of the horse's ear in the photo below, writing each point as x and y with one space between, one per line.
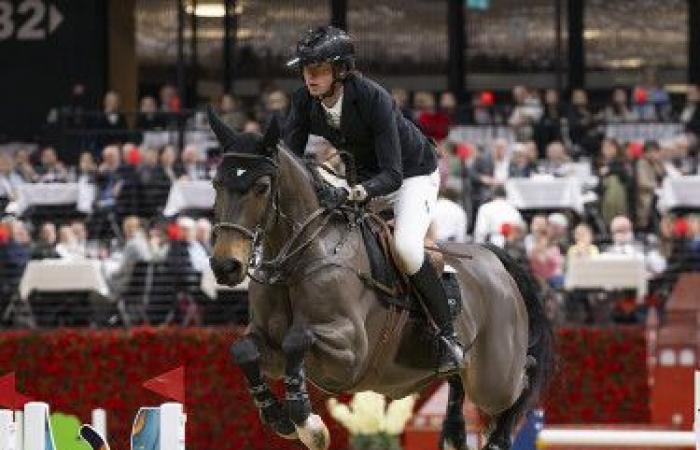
272 136
227 137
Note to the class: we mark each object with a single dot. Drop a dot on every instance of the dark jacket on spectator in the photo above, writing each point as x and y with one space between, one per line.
44 250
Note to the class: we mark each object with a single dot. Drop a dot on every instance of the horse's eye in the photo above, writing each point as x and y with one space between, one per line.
261 187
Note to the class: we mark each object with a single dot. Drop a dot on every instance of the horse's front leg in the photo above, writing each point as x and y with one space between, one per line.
247 356
310 427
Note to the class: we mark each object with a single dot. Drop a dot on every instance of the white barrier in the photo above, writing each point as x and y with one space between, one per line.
172 426
553 437
8 427
697 410
99 422
37 427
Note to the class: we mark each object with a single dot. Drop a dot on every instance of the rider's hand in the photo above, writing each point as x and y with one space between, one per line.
333 197
358 193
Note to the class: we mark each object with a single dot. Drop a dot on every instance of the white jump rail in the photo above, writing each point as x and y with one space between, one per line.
592 437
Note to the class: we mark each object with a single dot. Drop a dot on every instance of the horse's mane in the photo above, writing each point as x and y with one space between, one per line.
306 165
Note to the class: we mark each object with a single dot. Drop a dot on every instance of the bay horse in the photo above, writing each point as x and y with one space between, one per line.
314 317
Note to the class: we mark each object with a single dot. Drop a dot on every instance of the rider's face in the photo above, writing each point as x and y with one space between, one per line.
318 78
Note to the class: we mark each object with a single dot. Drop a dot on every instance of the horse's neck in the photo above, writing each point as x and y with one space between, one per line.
297 199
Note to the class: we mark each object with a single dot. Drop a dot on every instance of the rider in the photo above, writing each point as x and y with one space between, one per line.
393 158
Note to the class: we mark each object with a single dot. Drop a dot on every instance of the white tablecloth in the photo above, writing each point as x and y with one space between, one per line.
211 288
546 193
56 275
683 192
643 131
49 194
480 135
607 272
189 195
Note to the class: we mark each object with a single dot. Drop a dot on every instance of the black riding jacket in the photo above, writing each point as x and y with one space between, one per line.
387 147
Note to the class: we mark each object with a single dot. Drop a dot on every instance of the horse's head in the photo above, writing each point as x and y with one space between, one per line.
245 190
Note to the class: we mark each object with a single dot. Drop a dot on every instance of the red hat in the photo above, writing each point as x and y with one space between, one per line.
640 95
681 227
635 149
486 98
463 151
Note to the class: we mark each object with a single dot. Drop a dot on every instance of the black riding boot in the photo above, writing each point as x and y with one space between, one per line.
428 284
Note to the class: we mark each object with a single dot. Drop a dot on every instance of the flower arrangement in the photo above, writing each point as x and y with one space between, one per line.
372 424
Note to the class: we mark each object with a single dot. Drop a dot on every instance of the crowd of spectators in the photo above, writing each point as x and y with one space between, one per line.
131 181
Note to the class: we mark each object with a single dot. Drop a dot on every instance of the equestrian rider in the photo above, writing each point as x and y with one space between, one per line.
393 159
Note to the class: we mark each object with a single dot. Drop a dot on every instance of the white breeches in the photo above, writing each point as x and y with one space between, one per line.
414 206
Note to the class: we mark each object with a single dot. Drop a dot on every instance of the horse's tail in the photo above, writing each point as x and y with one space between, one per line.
541 338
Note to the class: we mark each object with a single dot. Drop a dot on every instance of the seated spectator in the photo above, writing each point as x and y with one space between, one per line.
109 179
252 126
149 119
111 118
483 110
520 164
168 164
583 247
136 249
515 242
24 168
68 246
193 167
652 102
694 234
690 116
619 111
491 217
615 181
81 235
558 162
87 168
154 184
450 219
548 129
490 171
650 174
198 257
231 112
401 98
538 230
276 106
558 230
15 255
203 234
623 241
547 263
9 180
582 124
434 124
526 113
45 246
51 170
456 113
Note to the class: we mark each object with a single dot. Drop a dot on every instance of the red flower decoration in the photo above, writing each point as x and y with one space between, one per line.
681 227
487 98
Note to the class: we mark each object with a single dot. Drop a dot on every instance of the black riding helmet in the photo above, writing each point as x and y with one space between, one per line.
325 44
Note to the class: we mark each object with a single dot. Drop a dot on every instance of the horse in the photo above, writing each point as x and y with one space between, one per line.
314 317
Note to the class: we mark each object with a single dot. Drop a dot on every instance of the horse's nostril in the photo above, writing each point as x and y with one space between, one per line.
230 266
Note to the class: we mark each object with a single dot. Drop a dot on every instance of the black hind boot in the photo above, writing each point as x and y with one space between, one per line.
428 284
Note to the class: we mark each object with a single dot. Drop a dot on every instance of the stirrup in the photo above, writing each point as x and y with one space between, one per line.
451 355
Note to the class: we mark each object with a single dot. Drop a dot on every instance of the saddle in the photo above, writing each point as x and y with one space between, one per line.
387 278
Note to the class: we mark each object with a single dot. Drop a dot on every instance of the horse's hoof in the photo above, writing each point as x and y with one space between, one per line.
314 434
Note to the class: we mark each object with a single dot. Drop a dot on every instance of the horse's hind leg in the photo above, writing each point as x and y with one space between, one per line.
246 355
310 428
453 436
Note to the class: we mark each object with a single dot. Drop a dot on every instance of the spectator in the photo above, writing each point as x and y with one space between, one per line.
450 219
87 168
558 230
9 180
203 230
276 105
548 128
492 216
108 178
691 111
582 125
231 112
401 98
583 247
198 257
149 118
154 184
169 100
558 162
24 168
449 106
650 173
252 126
694 234
45 246
538 230
615 181
15 256
490 170
111 119
68 246
526 113
193 168
136 249
168 164
623 242
434 124
51 170
81 235
652 102
547 263
520 164
619 111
